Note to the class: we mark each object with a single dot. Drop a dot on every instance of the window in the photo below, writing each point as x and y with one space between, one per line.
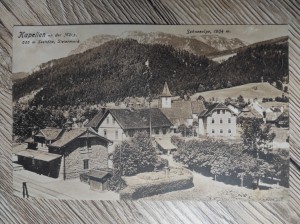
107 120
117 134
229 120
221 120
164 131
213 131
130 133
114 120
212 120
156 131
104 132
88 144
218 111
229 131
223 111
221 131
85 164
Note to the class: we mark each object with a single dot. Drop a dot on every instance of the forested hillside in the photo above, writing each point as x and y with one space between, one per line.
117 69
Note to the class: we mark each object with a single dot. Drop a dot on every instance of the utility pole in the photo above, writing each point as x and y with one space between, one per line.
149 93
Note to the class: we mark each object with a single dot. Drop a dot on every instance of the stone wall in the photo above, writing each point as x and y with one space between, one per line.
97 156
154 187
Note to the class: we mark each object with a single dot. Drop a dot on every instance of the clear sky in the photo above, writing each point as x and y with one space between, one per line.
28 55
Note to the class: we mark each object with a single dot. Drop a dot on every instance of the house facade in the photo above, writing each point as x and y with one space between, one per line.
217 121
44 137
120 124
75 152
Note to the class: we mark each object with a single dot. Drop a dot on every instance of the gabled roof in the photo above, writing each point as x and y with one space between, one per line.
166 91
182 110
94 123
283 115
250 113
179 110
273 116
165 144
49 133
207 112
98 174
139 118
70 135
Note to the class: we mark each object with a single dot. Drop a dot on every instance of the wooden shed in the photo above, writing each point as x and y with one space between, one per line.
98 180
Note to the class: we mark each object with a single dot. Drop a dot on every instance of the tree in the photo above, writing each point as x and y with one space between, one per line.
185 131
201 98
135 156
256 136
257 139
201 88
116 182
279 85
240 99
228 100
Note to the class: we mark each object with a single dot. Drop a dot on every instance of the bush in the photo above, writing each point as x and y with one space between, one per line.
135 156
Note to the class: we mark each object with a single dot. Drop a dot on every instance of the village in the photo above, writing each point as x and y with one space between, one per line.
93 156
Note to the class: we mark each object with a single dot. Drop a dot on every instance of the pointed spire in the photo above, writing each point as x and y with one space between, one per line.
166 91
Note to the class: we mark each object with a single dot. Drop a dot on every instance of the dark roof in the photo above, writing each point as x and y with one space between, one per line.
166 91
49 133
207 112
139 118
38 155
98 174
283 115
94 123
70 135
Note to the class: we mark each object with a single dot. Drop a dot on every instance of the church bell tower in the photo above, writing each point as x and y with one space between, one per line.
166 97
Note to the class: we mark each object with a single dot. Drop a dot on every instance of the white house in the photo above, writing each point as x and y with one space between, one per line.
119 124
217 120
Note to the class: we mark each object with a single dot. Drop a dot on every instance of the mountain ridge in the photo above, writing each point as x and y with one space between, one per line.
199 45
116 69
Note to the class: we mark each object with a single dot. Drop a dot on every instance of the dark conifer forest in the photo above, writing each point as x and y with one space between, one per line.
117 69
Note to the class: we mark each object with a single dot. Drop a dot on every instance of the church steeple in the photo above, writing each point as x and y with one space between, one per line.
166 97
166 91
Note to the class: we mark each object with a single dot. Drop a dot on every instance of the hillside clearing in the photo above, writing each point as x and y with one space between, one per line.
248 91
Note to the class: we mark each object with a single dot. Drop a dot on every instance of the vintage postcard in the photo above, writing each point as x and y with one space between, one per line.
151 112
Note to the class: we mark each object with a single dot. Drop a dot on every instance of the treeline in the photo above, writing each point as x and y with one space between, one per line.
116 70
239 163
231 163
268 62
30 119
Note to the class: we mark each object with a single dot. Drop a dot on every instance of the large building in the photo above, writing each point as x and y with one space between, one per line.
180 112
65 154
120 124
217 121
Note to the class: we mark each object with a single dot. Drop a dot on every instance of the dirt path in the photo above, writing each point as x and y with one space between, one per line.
45 187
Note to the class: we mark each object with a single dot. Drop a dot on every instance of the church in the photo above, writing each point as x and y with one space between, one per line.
215 121
180 112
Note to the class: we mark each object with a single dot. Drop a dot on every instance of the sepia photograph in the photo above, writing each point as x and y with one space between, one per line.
151 112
